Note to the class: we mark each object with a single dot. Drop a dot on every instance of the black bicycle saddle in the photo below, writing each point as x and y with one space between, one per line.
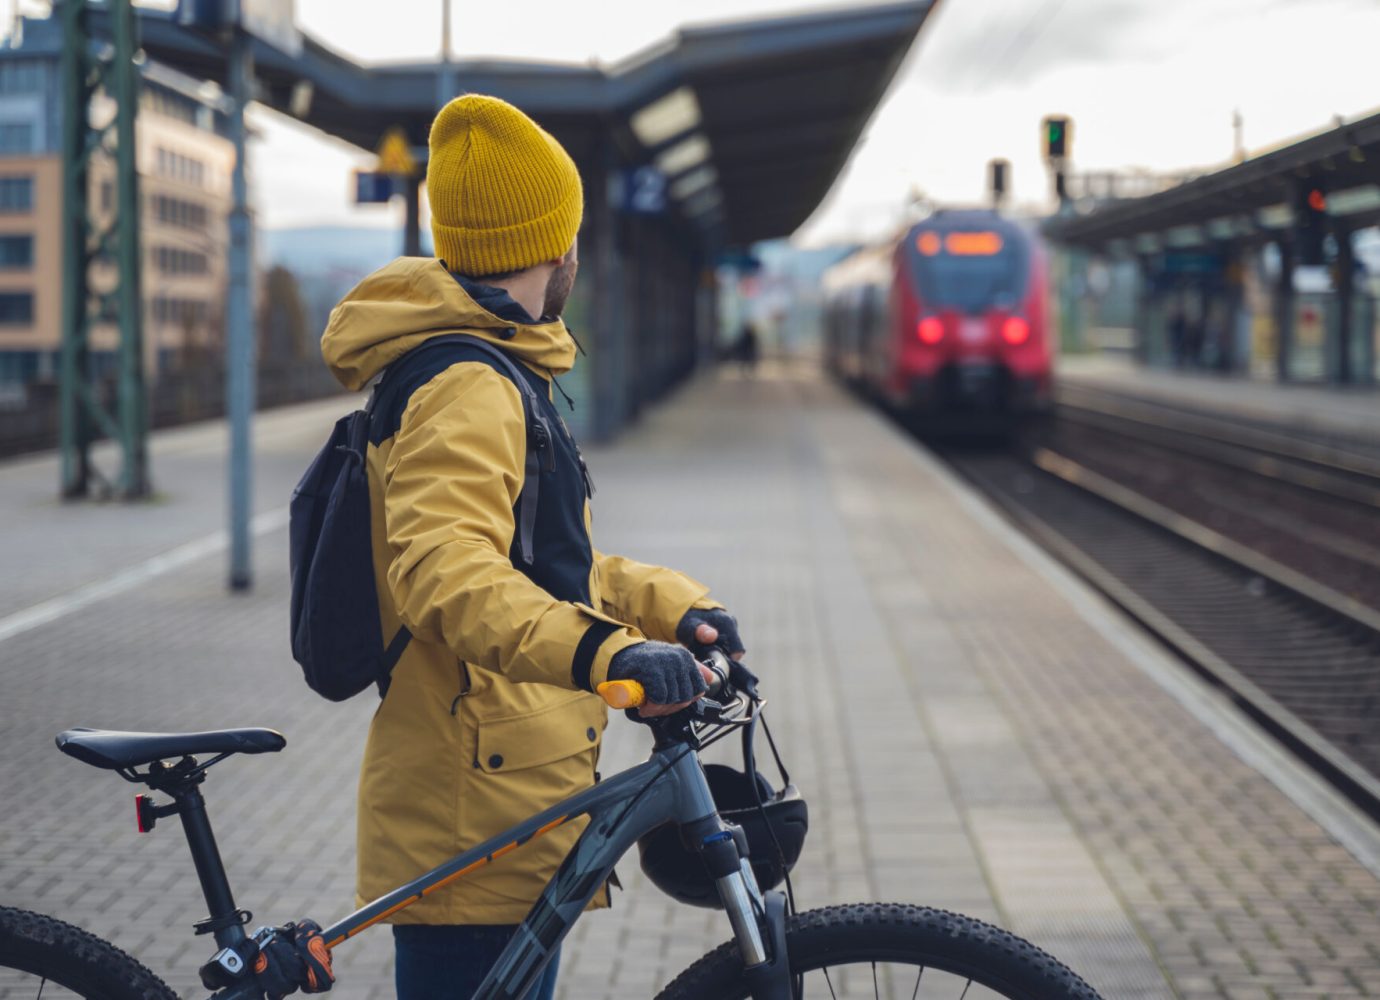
117 750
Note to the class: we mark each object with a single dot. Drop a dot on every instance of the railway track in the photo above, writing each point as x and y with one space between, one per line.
1293 638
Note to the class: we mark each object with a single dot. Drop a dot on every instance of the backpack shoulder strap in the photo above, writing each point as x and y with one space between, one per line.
399 376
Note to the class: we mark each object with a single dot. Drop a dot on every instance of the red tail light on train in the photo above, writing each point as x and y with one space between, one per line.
1015 331
930 330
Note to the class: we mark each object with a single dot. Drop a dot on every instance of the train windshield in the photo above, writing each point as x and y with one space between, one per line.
969 268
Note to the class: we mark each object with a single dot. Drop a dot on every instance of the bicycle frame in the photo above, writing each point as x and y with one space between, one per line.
670 787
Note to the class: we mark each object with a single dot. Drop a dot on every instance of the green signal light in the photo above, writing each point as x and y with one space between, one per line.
1055 131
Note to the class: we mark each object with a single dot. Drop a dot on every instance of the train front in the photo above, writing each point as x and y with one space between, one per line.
969 326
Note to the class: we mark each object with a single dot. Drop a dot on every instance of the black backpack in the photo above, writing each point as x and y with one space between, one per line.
335 612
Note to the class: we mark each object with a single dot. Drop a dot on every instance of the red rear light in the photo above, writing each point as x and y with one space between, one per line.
1015 331
930 330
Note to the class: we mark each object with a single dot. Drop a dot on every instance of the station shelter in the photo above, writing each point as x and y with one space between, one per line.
716 138
1268 268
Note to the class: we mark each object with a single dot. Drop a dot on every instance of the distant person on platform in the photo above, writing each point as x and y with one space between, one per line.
1178 336
746 348
505 651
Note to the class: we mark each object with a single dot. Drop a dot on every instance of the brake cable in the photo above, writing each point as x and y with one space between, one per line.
750 764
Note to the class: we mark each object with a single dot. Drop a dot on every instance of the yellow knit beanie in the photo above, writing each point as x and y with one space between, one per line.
504 195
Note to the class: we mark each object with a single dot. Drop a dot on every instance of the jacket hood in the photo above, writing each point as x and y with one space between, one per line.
414 299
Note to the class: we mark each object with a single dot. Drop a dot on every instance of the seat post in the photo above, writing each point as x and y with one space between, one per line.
225 921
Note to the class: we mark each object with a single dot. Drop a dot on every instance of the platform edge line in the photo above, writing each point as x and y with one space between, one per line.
55 608
1341 819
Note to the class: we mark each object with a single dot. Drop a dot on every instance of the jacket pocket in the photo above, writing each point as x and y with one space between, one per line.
569 727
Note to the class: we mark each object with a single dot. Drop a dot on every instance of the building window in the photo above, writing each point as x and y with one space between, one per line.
186 313
16 308
171 260
16 137
16 251
20 76
16 194
177 212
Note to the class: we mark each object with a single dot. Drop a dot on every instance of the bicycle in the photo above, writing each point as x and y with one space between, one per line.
774 953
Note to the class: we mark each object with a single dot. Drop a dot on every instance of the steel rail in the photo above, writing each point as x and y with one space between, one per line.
1332 471
1301 736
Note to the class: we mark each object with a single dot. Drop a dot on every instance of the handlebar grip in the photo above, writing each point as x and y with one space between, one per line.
622 694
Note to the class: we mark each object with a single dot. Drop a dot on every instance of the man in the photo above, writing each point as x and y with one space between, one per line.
489 718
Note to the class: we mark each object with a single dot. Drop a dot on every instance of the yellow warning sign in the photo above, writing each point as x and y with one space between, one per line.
395 154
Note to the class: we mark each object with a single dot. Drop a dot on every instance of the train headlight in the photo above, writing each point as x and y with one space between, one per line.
1015 331
930 330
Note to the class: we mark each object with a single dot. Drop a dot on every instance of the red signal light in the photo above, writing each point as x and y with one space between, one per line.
1317 201
930 330
1015 331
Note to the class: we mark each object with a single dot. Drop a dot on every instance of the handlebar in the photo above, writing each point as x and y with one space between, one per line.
630 694
622 694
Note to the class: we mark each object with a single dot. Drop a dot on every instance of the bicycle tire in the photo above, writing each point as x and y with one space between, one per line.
916 936
74 959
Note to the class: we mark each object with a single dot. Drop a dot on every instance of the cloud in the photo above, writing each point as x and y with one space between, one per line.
980 48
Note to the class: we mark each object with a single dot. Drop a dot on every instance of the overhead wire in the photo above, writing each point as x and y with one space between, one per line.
1029 33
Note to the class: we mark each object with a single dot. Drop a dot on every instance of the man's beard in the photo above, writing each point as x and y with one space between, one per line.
558 288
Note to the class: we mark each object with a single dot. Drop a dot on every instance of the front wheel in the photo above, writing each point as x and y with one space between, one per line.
39 954
887 950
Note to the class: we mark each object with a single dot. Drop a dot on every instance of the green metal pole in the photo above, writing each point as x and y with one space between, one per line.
133 404
1346 287
239 326
74 434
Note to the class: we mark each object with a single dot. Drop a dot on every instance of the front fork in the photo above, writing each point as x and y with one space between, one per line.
758 920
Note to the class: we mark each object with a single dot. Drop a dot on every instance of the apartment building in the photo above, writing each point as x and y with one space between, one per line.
185 164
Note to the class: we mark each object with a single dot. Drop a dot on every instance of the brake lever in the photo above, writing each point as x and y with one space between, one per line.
711 711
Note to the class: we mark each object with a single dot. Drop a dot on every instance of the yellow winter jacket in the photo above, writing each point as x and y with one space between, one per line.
483 724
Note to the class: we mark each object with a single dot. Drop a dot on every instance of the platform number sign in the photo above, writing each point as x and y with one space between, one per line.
642 191
374 188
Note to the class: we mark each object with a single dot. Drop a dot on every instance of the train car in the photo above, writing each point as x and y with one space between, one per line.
948 323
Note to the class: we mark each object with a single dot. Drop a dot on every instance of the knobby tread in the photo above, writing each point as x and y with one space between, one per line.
895 932
74 958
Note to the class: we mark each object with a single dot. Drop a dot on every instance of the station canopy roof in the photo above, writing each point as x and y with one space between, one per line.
751 121
1250 199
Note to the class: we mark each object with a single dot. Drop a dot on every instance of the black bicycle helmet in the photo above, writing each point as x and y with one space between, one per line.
677 869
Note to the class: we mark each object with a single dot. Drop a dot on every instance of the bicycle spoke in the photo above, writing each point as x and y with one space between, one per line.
916 992
967 987
825 970
876 993
41 983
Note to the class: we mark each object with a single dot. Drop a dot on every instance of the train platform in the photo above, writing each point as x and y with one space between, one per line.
1333 412
973 728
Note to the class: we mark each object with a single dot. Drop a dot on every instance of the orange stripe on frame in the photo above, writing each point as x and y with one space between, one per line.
447 881
451 878
550 826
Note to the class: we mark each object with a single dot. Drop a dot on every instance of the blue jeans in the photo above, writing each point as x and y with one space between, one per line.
449 961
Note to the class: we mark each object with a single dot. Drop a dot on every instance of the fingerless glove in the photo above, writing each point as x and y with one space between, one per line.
667 672
717 618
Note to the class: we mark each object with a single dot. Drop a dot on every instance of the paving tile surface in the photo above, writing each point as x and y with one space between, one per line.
965 739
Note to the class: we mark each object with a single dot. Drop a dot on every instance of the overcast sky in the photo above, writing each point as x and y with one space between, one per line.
1149 83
